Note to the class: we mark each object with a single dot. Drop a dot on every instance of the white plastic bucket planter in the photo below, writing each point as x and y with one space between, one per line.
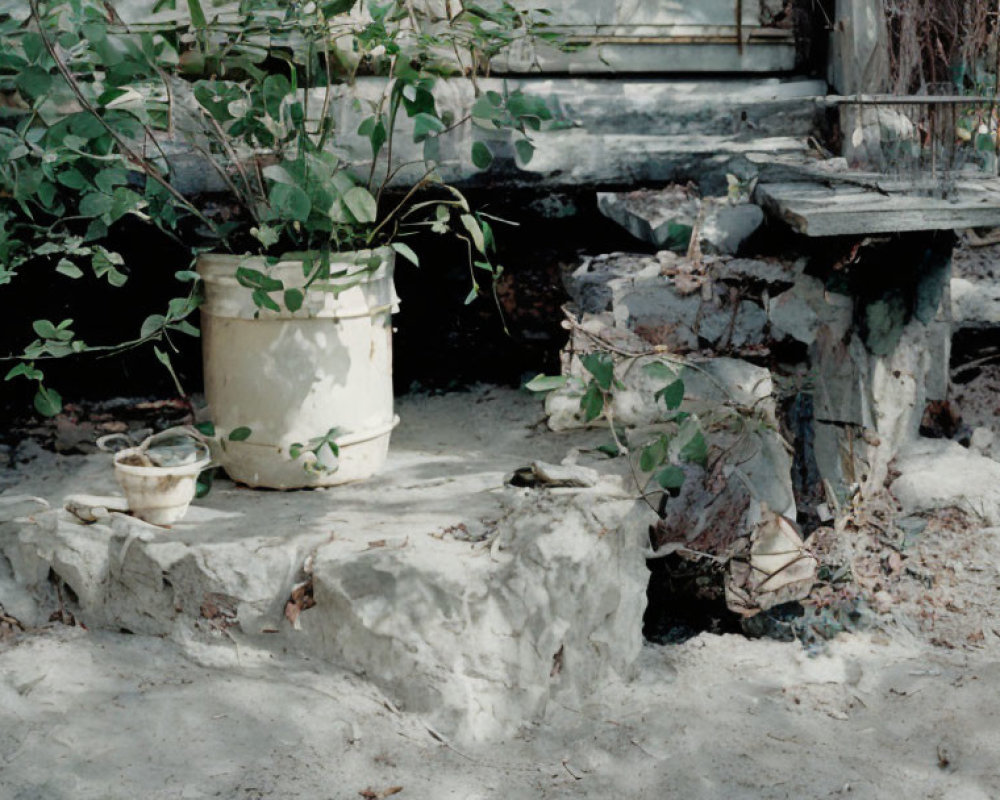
159 494
292 377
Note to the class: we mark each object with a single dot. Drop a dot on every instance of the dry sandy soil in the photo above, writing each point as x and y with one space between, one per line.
908 706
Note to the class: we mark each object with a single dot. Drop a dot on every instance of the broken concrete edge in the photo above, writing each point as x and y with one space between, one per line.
668 218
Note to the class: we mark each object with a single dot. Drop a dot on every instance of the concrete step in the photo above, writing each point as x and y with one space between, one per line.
469 602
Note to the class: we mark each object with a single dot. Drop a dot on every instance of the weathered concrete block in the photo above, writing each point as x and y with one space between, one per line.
480 638
667 217
663 217
806 308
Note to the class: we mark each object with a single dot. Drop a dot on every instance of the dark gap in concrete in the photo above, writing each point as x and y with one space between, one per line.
797 417
971 348
685 598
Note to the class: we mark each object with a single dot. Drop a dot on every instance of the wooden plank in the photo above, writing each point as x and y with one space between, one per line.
838 209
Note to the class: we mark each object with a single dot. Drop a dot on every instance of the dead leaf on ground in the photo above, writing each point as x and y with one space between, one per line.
9 626
372 794
375 544
300 599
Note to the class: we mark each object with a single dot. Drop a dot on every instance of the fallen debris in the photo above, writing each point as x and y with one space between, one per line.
540 475
777 569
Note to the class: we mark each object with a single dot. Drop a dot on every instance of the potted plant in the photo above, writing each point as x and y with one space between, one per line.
297 314
297 328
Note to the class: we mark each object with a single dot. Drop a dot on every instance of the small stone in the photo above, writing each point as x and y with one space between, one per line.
982 440
883 602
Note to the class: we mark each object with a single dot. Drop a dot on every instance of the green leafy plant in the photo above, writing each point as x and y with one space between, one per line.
274 142
75 129
96 111
679 438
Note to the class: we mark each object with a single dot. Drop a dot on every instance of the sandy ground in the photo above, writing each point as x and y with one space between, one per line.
100 715
907 707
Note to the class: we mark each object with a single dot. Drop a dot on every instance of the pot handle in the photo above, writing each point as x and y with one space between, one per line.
104 442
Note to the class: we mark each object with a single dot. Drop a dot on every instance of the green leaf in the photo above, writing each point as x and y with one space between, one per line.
185 327
294 299
162 357
263 300
47 194
47 402
290 202
104 262
601 366
240 434
406 252
206 428
107 179
672 394
425 125
96 229
152 324
525 150
203 485
592 403
332 7
274 90
95 204
278 174
481 155
72 178
187 275
266 235
472 226
671 477
654 454
678 236
215 97
255 279
197 14
546 383
374 129
122 202
68 268
610 450
34 81
27 369
659 371
94 32
45 329
361 204
695 450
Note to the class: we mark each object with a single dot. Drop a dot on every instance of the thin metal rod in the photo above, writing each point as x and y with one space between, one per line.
900 100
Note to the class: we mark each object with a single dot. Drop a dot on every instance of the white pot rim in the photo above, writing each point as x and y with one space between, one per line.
156 472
